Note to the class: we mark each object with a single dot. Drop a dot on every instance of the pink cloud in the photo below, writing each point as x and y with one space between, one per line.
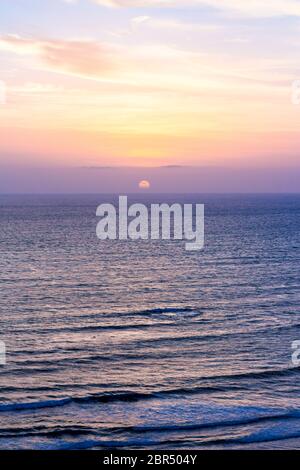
74 56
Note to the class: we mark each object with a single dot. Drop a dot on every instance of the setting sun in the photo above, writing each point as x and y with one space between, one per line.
144 184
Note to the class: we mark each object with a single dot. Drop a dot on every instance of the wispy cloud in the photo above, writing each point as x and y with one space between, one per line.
153 66
79 57
172 24
255 8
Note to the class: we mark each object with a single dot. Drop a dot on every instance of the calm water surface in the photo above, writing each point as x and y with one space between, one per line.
142 344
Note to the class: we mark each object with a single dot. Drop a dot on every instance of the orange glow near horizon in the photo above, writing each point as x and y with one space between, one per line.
155 89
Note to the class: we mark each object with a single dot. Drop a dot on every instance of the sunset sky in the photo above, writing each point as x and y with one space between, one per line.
149 83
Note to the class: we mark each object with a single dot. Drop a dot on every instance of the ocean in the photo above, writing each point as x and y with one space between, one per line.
141 344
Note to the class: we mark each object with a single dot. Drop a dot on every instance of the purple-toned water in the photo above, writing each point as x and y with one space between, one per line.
143 344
